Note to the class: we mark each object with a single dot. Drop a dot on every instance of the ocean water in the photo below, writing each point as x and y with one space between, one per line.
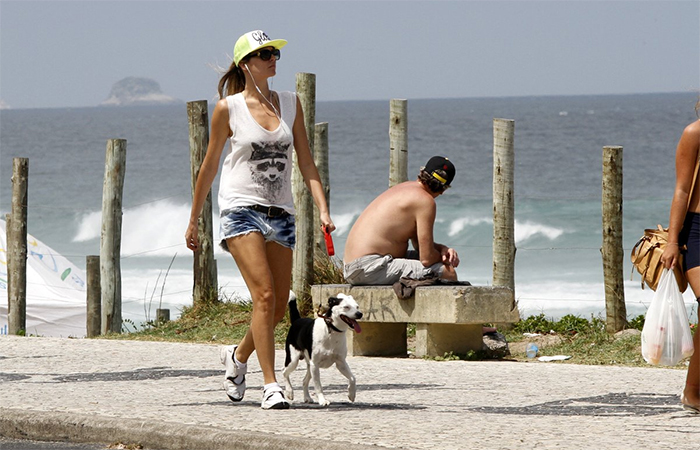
558 176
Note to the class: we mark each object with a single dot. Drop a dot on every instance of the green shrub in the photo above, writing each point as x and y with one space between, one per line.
570 324
534 324
637 323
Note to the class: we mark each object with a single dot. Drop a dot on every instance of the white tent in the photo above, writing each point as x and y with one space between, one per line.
56 297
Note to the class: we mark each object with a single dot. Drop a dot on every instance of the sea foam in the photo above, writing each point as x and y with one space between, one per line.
152 229
526 230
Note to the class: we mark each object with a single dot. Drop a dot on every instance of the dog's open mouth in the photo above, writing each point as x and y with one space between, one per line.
352 323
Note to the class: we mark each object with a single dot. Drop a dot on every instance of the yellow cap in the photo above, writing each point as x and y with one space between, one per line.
252 41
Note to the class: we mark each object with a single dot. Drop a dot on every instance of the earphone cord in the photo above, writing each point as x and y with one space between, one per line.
277 113
284 126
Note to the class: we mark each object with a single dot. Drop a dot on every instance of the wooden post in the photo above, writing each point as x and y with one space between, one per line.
8 239
17 249
503 203
204 267
111 238
321 159
612 251
398 141
94 298
302 272
162 315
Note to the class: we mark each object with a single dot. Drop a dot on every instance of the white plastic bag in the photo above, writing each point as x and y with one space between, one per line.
666 336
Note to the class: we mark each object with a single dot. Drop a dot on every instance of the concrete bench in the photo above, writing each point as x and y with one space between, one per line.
447 318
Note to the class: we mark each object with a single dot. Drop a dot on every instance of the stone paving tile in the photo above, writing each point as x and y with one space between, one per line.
401 403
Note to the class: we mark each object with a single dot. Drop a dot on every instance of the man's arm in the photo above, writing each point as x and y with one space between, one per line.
425 220
449 255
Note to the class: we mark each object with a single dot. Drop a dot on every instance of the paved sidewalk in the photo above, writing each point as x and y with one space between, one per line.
170 396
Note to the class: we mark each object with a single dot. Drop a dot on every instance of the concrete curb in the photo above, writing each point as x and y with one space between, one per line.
83 428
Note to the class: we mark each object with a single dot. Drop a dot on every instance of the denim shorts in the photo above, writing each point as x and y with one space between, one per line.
690 237
242 220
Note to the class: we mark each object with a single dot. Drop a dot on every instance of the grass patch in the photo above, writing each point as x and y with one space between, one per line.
599 350
586 341
221 322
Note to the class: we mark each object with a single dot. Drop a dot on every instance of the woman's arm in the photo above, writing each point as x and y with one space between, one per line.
220 131
308 168
686 159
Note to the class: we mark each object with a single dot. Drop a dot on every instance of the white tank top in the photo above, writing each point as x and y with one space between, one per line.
258 166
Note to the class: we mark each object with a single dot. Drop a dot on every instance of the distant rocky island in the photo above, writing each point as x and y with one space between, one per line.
133 91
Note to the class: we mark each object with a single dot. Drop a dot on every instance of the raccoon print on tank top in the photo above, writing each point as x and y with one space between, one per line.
267 163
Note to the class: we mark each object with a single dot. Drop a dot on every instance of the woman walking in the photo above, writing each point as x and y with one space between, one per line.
684 231
255 198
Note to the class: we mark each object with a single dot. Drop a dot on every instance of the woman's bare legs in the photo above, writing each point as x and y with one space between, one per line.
691 393
266 269
280 260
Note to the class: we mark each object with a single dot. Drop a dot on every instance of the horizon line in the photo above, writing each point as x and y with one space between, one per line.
180 102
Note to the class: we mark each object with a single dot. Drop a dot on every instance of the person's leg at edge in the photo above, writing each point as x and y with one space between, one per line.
250 254
691 393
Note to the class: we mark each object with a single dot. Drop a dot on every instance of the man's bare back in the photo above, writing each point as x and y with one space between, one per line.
376 251
403 213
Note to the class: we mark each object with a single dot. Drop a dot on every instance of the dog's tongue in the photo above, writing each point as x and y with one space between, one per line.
352 323
357 327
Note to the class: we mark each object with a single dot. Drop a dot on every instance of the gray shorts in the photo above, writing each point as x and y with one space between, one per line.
387 270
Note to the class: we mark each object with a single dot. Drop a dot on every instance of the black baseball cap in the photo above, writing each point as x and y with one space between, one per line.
441 169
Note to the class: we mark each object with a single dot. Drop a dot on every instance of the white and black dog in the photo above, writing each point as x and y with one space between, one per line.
321 342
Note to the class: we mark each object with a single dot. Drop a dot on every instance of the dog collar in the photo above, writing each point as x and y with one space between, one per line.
330 325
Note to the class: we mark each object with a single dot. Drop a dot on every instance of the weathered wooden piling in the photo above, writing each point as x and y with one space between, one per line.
162 315
111 237
503 203
93 296
17 249
302 269
8 237
612 250
204 266
398 141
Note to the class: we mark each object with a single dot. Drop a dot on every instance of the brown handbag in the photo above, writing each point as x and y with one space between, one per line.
646 253
646 258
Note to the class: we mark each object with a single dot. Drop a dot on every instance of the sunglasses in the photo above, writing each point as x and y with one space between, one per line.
266 54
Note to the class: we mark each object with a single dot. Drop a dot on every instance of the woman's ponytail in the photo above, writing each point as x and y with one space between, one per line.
232 82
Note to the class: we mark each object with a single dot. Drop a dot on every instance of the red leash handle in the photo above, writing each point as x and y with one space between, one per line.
329 242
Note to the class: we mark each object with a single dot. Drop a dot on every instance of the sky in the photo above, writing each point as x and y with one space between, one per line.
70 53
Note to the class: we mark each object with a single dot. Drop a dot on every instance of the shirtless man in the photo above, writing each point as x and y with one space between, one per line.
376 251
